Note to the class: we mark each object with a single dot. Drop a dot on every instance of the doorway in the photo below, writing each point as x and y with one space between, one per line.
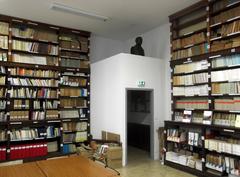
139 125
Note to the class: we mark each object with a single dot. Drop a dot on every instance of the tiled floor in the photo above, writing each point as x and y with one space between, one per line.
140 165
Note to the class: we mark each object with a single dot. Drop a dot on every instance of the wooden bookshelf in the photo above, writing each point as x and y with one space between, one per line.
32 70
218 21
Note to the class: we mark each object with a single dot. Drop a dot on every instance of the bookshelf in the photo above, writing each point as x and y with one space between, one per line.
205 94
44 89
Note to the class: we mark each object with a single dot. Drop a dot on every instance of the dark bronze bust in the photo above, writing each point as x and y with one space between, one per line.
137 49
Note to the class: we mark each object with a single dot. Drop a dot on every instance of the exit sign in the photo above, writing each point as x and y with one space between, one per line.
141 83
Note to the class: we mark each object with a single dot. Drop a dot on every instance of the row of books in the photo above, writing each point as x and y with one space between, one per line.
230 60
3 117
3 135
69 148
74 42
189 41
4 28
73 81
32 93
35 47
74 74
34 82
74 63
215 162
45 104
74 92
232 166
192 103
38 60
51 114
28 150
75 126
21 104
75 137
190 79
69 103
33 73
190 29
2 104
3 92
3 56
225 145
2 80
73 55
226 30
185 159
19 115
27 134
225 119
4 42
176 135
191 67
53 132
42 35
226 15
226 88
226 75
191 91
230 104
78 113
225 44
3 154
192 51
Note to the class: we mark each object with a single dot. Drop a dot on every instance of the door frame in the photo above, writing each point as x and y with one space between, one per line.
152 120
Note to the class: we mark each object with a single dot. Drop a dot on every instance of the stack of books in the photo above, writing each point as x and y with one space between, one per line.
4 28
191 67
190 79
192 51
35 47
191 91
231 60
191 104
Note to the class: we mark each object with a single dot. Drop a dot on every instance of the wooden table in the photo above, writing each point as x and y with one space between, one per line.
23 170
75 166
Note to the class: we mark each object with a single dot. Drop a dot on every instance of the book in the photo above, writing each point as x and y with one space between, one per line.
207 117
4 28
187 116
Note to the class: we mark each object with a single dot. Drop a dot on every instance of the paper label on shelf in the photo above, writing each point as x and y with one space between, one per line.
233 50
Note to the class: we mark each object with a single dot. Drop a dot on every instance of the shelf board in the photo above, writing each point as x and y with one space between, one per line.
189 96
69 86
76 70
16 98
73 97
74 58
77 119
3 49
231 35
1 34
197 84
35 40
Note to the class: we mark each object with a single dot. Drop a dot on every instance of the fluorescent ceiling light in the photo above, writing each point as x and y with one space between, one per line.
75 11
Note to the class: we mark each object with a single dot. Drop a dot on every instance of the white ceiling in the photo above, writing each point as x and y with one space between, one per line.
128 17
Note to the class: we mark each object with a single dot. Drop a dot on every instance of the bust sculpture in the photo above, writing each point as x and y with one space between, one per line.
137 49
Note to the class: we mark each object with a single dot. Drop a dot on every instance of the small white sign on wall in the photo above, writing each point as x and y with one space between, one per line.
141 83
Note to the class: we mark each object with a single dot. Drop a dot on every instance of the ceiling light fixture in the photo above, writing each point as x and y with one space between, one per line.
75 11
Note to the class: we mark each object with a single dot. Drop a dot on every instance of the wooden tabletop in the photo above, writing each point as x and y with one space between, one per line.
75 166
23 170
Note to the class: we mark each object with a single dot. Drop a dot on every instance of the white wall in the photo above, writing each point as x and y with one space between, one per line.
156 43
101 48
110 78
